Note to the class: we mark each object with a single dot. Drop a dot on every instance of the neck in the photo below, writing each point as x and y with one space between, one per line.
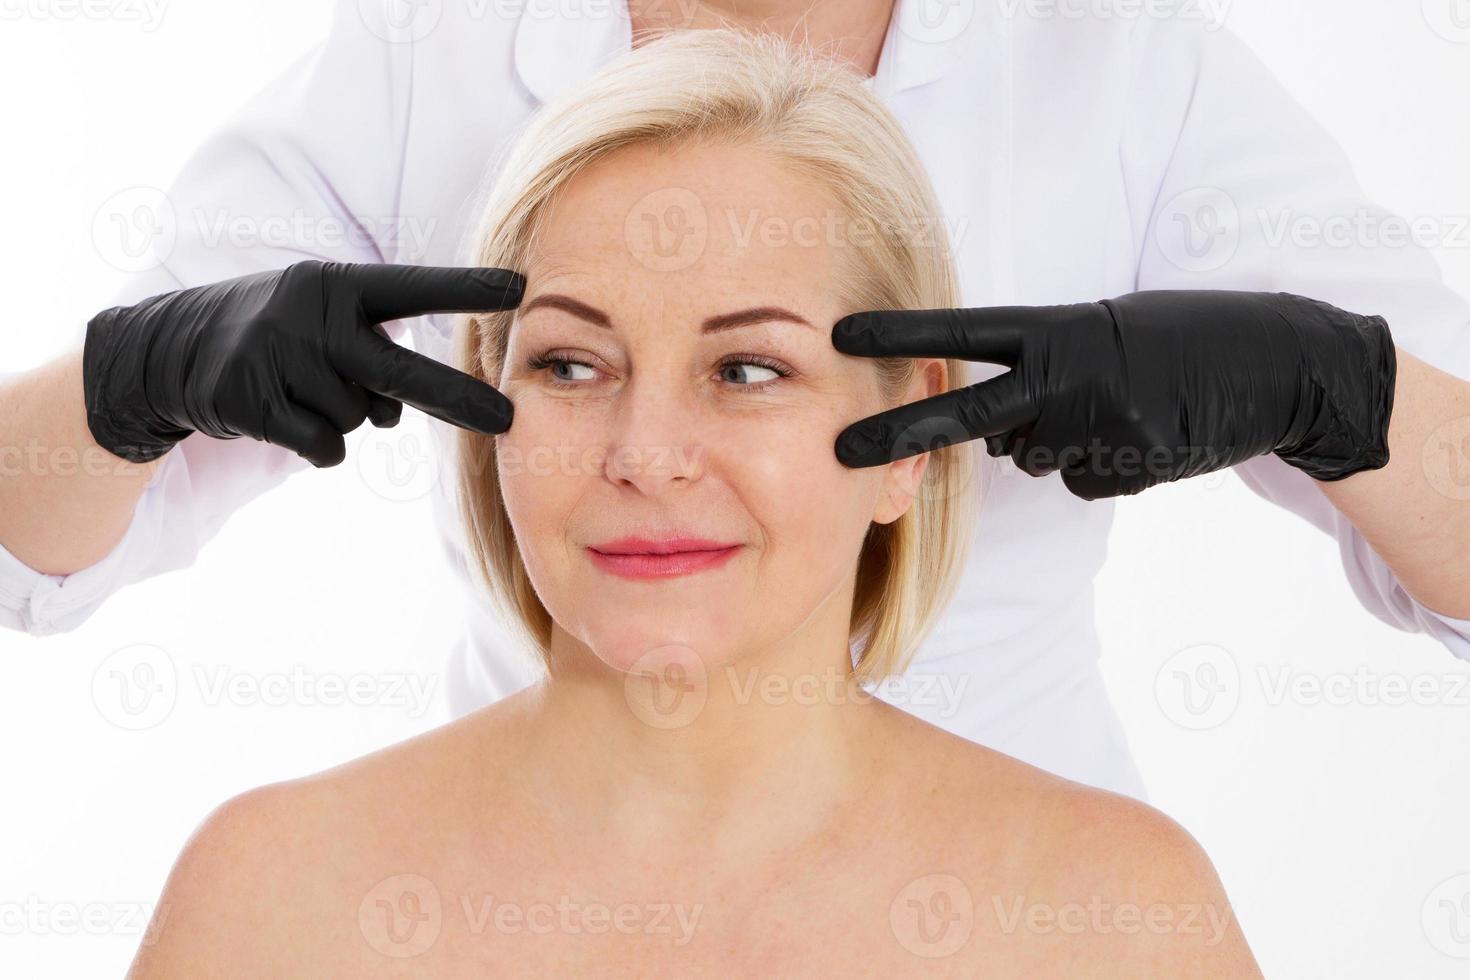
850 31
773 745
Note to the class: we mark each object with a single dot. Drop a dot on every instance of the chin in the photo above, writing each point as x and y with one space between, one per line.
655 651
652 641
699 628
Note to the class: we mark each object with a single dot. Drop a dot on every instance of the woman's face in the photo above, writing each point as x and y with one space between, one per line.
651 404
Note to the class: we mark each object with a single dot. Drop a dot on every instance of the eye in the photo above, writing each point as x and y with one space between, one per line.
559 378
569 365
734 363
732 369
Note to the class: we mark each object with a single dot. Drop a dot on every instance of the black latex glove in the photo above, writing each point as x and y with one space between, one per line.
291 357
1143 389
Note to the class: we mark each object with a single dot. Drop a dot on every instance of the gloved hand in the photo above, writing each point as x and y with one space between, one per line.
1143 389
292 357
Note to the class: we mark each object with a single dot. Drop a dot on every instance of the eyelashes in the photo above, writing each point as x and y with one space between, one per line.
551 358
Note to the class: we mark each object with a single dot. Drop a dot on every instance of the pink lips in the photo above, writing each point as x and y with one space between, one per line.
665 558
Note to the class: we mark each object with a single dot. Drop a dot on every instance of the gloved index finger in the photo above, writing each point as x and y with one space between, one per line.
987 333
393 292
987 408
450 395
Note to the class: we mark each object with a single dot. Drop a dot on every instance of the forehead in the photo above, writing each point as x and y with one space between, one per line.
697 224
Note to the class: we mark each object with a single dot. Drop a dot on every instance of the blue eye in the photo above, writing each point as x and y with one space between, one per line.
763 363
546 360
554 364
540 362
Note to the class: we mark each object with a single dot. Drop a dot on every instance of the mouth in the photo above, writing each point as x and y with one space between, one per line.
641 558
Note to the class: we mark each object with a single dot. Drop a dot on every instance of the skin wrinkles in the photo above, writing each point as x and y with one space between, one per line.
750 466
547 327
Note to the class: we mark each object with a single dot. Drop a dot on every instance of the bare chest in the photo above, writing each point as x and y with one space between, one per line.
844 914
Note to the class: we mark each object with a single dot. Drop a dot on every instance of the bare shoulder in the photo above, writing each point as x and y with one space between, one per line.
240 885
274 878
1139 885
1067 874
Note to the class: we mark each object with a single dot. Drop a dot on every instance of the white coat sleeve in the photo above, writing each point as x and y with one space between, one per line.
1233 185
309 168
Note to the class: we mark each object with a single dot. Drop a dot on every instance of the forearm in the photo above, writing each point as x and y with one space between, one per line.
65 502
1415 511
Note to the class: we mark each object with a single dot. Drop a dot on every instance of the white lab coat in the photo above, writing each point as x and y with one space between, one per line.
1075 159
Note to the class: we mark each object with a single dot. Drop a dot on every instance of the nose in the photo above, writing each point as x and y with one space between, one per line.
654 445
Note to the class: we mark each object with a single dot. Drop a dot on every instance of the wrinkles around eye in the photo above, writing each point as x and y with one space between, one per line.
771 371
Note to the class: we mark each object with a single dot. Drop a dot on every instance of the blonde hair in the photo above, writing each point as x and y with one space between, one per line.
733 86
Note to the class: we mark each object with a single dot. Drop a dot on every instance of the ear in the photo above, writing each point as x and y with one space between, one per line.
901 479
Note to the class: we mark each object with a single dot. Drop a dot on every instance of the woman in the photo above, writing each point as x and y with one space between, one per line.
701 783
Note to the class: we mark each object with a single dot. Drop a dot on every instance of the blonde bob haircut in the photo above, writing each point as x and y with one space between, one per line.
731 86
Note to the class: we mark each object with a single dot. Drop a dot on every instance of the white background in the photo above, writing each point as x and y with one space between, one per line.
1339 828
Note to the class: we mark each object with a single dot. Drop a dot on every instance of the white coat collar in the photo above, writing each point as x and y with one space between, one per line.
559 43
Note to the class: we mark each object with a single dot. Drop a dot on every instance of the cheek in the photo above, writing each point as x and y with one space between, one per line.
775 456
543 470
786 474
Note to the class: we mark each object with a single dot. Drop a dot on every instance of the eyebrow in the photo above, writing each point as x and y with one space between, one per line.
713 324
